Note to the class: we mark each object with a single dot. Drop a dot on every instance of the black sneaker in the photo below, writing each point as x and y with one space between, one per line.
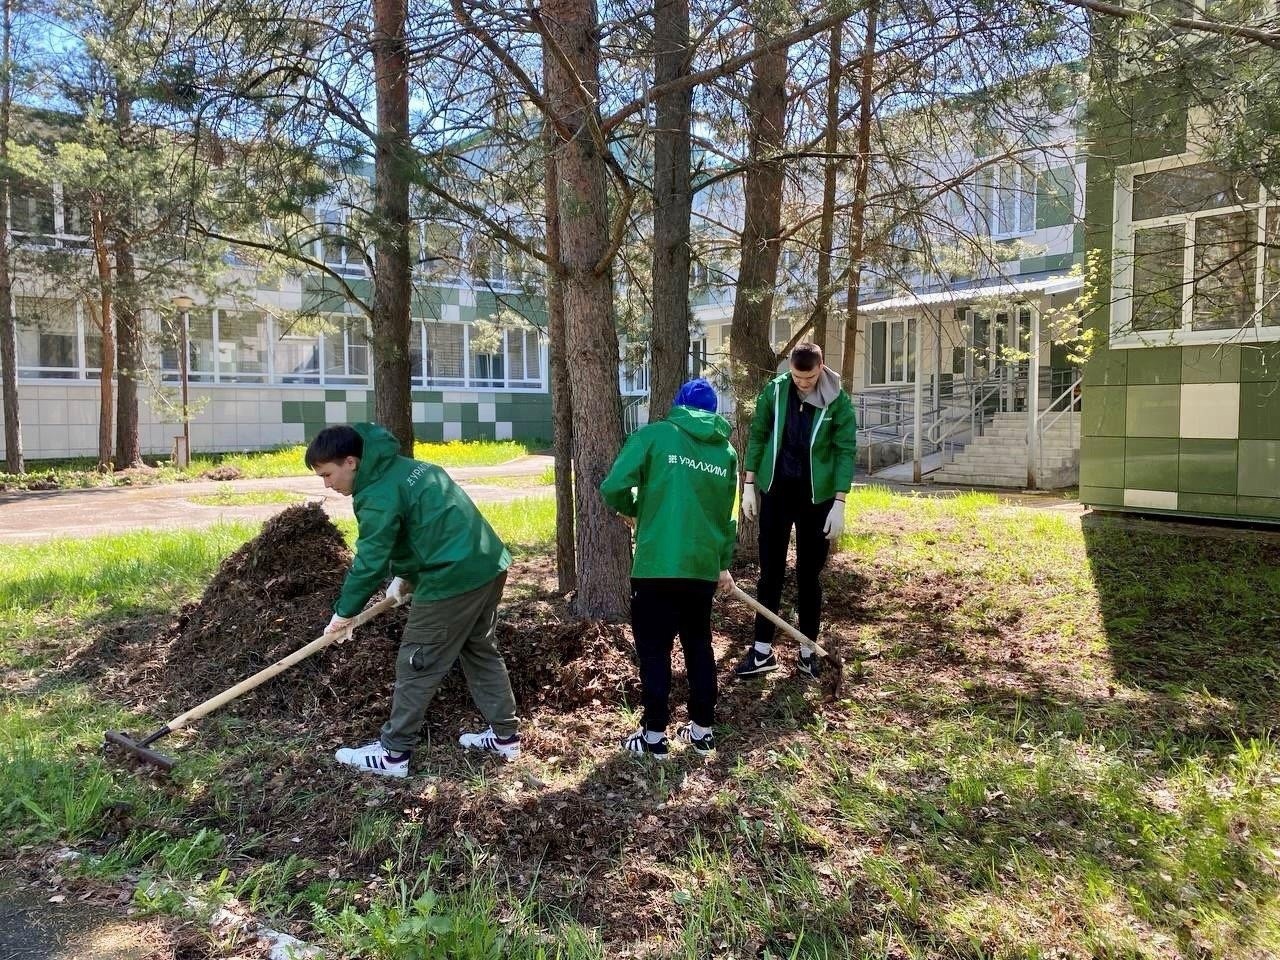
753 663
638 746
703 745
809 665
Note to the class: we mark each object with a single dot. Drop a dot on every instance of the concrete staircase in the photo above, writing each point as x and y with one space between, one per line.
998 458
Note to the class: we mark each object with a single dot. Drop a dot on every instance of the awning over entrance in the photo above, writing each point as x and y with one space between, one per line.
999 289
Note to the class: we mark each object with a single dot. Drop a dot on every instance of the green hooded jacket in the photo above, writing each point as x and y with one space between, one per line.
679 479
416 523
833 444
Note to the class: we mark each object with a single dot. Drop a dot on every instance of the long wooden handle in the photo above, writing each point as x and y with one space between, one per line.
280 666
777 621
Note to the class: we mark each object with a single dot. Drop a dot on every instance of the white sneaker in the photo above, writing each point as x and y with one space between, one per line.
372 758
489 742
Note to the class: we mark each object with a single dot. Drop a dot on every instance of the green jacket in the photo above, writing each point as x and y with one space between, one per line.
416 523
832 446
679 479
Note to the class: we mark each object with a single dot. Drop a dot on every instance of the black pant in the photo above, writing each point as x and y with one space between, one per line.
661 608
779 511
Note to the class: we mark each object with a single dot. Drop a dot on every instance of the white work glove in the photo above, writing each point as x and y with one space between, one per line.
399 591
338 625
835 521
724 586
750 501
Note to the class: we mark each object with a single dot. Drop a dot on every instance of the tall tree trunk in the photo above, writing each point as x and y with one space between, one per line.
8 329
561 402
102 314
672 205
750 345
858 215
826 228
392 173
573 88
128 319
750 341
128 324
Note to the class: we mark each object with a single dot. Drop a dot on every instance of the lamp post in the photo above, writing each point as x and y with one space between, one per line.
183 305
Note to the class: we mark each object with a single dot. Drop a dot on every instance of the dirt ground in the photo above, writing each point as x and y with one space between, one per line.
43 919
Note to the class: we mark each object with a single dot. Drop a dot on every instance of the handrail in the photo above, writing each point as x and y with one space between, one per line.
1043 424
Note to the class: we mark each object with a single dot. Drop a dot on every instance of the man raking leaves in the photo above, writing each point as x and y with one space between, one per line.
418 526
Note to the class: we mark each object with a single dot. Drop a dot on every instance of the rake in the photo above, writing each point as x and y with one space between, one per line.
834 680
141 748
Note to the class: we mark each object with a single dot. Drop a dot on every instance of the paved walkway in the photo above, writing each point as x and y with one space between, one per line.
41 515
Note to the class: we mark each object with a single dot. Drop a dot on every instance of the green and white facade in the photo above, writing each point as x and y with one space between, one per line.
259 376
1181 400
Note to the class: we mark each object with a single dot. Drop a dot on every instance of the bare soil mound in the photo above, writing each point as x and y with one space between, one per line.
276 593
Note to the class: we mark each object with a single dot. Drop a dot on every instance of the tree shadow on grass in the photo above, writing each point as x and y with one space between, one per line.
1191 615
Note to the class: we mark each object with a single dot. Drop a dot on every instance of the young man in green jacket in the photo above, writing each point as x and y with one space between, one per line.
678 478
799 467
417 525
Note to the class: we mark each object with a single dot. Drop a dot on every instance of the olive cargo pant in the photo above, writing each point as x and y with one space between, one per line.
438 634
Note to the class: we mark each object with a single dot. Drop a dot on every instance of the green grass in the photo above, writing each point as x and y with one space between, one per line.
252 498
280 462
287 461
1066 749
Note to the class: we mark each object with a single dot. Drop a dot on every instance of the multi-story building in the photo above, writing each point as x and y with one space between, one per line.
271 361
1182 393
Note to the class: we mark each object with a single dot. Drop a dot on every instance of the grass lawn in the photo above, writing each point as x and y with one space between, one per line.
281 462
1064 748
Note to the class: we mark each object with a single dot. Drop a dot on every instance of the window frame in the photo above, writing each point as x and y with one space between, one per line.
1124 229
910 362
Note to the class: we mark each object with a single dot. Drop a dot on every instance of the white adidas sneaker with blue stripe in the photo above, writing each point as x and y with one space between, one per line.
373 758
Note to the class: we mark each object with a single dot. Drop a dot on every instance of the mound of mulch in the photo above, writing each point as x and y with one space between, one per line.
222 473
276 593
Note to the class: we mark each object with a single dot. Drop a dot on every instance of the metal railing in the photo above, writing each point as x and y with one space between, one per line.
1064 403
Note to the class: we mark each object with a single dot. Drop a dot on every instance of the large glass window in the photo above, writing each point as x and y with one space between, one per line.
893 351
444 362
1006 199
242 347
47 339
346 351
488 361
1158 255
297 358
1189 262
201 349
524 359
32 205
1225 264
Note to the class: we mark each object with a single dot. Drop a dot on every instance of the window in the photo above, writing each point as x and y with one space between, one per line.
892 355
524 358
1189 253
697 357
335 246
201 356
48 337
32 206
488 362
346 352
633 372
1006 199
297 356
445 350
242 347
442 250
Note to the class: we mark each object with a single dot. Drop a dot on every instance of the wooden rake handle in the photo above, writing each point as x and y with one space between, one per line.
777 621
280 666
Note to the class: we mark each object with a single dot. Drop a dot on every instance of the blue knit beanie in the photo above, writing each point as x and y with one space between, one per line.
697 394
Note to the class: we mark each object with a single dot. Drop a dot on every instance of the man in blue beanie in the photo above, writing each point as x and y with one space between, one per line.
678 479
